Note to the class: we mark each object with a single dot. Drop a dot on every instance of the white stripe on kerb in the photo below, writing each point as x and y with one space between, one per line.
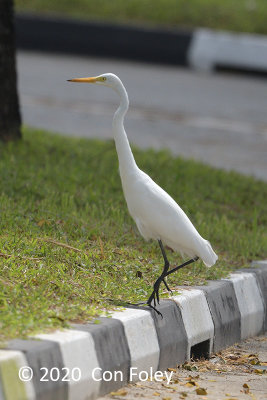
142 338
78 351
196 317
250 303
19 360
209 48
262 263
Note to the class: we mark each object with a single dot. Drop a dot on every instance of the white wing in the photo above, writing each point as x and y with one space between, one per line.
158 216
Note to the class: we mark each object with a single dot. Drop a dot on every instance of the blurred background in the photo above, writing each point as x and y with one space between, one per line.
242 16
218 117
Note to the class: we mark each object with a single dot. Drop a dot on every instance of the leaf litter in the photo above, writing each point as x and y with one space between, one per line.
192 379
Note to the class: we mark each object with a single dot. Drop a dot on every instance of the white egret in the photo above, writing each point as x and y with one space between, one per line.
155 213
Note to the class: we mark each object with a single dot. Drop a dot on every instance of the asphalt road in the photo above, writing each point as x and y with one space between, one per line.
220 119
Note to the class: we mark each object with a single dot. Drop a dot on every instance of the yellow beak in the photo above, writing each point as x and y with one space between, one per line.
86 80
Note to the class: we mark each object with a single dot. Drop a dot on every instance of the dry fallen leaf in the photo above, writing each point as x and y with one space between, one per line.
190 384
189 367
191 378
166 386
246 388
156 394
233 357
254 361
121 392
258 371
201 391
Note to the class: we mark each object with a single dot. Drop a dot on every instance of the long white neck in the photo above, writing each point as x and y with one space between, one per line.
127 162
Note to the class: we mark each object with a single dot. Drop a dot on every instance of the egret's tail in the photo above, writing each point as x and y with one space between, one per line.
207 254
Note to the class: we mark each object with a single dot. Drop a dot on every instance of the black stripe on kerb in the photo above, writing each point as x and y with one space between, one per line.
260 273
111 348
224 311
171 334
43 354
72 36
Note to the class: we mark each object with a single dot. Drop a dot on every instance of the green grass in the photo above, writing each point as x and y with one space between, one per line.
58 192
243 15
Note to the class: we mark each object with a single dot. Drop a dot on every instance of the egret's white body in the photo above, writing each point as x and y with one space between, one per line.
155 213
158 216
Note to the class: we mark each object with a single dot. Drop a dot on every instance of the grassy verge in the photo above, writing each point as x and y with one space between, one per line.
68 243
243 15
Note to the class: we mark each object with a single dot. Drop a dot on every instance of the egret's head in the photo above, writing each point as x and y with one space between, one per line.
109 80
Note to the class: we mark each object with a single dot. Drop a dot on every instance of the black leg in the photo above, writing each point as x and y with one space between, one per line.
166 261
182 265
155 294
166 285
166 265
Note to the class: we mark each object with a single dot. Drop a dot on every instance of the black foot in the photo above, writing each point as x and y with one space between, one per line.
145 303
154 308
155 294
166 285
141 303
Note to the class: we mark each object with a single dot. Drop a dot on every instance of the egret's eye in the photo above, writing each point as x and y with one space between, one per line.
104 78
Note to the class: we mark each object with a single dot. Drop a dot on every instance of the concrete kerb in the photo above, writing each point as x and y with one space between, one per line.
92 359
70 36
40 356
222 302
210 49
200 49
112 350
197 320
250 303
142 339
10 386
260 272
